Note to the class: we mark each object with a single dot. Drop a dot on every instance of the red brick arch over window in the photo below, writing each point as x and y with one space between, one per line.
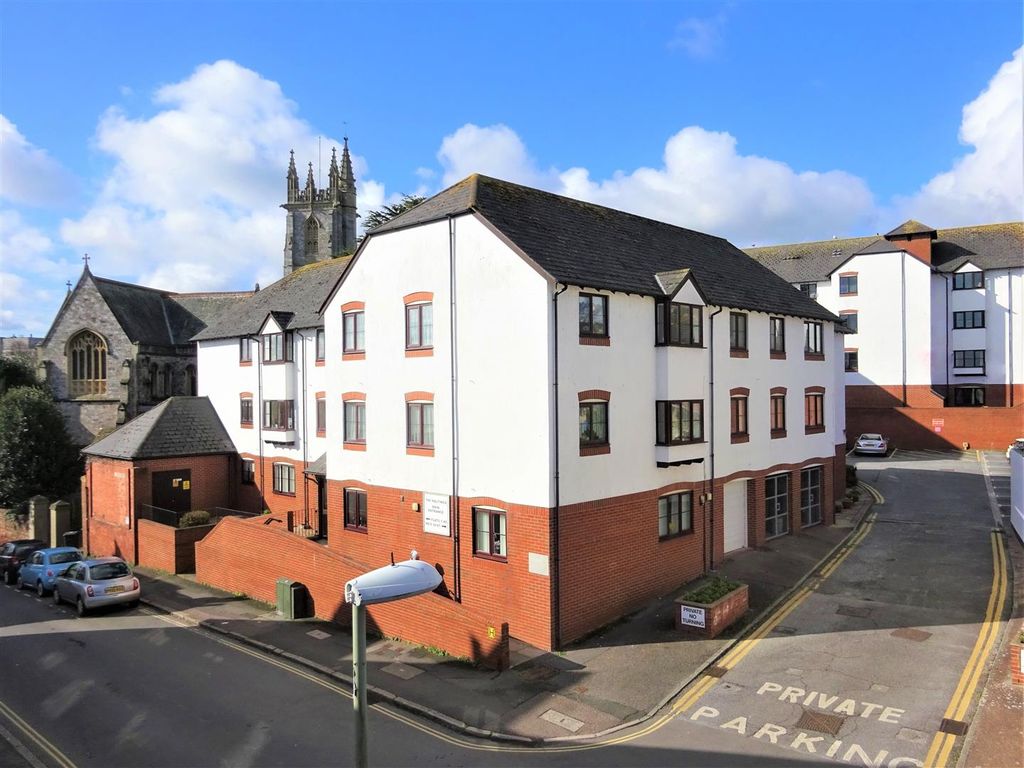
739 391
779 390
418 296
594 394
353 306
411 397
353 396
814 390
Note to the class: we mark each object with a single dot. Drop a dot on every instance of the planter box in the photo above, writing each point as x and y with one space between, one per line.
1017 663
711 619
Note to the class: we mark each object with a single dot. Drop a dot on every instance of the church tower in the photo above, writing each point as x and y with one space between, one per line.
321 223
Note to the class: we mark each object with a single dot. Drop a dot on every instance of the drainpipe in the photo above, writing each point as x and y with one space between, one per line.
555 593
1009 333
456 560
903 320
947 400
710 514
259 417
305 431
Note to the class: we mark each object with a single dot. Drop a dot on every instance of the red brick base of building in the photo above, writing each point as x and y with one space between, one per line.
982 428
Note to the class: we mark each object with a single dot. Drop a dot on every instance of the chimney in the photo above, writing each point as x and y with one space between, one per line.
914 238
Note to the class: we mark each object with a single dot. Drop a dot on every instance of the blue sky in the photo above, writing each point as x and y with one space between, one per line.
154 135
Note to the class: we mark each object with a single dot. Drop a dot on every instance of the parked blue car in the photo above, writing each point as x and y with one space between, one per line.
44 566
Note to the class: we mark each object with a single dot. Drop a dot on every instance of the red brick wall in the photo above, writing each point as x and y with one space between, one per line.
506 589
912 428
612 561
251 499
891 395
169 549
249 556
210 479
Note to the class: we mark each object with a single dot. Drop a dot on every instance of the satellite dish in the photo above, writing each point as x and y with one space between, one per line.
392 582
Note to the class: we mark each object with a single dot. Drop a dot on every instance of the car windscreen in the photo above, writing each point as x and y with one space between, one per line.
65 557
105 571
871 437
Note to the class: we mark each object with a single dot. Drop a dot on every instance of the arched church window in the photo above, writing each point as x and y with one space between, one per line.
168 380
87 364
154 383
312 236
190 380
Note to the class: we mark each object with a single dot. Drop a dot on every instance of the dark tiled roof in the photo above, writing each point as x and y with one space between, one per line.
298 294
318 467
179 426
910 227
161 318
988 246
596 247
670 281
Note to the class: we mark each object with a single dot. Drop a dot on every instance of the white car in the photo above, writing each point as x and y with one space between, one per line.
1018 444
871 443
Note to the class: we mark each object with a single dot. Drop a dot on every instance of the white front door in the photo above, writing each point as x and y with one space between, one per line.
735 515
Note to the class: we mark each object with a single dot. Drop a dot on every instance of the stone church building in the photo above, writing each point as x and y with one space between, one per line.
117 349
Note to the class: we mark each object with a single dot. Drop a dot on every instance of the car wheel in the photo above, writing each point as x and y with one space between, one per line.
19 583
40 589
56 596
80 607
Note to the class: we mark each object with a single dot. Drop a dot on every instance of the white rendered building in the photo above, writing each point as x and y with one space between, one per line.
936 328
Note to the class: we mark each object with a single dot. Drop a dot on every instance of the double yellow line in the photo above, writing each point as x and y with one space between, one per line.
942 743
40 741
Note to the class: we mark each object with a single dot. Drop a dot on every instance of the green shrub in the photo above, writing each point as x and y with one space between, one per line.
196 517
712 590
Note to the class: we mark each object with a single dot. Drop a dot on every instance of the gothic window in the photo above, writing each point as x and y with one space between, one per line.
87 364
312 237
190 380
168 388
154 383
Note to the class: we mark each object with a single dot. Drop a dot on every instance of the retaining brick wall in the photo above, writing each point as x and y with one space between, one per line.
248 556
984 428
169 549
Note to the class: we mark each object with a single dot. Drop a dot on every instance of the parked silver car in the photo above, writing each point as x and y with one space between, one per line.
872 443
97 583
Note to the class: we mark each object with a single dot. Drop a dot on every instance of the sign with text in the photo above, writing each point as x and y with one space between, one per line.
436 515
691 616
938 424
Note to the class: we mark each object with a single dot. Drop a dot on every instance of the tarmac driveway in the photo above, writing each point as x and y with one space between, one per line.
863 668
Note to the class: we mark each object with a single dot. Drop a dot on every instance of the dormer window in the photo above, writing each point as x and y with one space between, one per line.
277 347
679 324
963 281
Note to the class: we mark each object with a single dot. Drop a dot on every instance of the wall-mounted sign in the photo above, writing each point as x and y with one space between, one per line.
938 424
436 514
691 616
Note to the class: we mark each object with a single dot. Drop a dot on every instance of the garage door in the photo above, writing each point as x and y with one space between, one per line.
735 515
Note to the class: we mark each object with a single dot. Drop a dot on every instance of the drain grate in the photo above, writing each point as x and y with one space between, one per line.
909 633
955 727
781 630
715 671
819 721
535 672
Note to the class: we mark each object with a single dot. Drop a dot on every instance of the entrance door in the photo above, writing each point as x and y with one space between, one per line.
321 503
810 496
776 505
735 515
173 490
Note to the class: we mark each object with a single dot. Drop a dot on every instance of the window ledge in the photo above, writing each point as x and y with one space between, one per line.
680 535
817 356
595 450
353 446
814 430
356 528
777 355
245 363
850 293
681 442
744 438
420 352
321 433
739 353
246 425
353 356
492 558
321 363
595 341
416 450
777 433
284 493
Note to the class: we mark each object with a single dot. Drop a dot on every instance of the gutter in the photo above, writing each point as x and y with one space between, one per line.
453 329
903 320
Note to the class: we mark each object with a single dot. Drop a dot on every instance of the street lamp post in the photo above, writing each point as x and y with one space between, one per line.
391 582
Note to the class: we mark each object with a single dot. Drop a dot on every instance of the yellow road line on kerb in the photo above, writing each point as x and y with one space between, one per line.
879 498
36 738
942 743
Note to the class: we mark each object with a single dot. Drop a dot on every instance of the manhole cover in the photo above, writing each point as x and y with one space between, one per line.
850 610
570 724
909 633
955 727
535 672
318 634
401 671
819 721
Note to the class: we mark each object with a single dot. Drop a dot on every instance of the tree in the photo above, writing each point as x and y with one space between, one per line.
374 219
16 371
36 454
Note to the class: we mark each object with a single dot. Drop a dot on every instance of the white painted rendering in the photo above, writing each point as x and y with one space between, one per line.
735 506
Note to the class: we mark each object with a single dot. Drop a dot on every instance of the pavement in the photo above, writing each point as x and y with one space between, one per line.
614 679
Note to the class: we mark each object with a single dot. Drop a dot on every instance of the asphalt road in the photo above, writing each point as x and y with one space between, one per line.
878 645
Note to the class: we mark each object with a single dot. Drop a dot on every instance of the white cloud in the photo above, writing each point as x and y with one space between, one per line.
699 38
192 200
986 184
28 175
703 183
